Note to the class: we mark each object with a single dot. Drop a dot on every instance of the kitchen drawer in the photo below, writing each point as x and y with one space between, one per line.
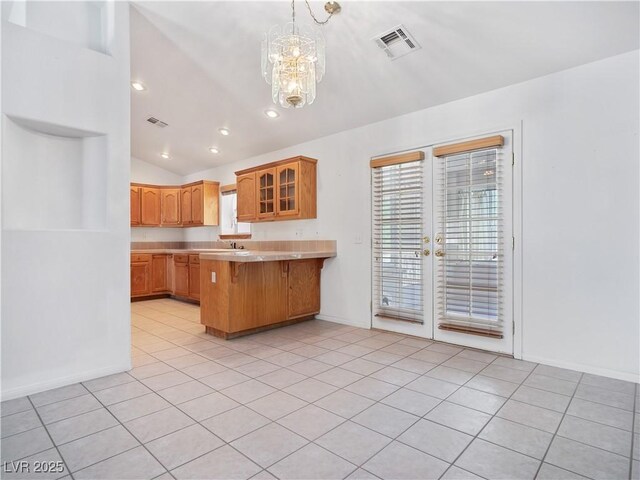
194 258
180 258
140 257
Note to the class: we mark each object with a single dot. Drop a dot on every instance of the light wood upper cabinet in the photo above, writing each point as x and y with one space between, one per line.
150 206
192 205
284 190
185 204
246 191
200 204
197 205
266 191
170 206
287 202
134 203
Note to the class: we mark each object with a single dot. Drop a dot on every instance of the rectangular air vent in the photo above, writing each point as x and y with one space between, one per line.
156 122
396 42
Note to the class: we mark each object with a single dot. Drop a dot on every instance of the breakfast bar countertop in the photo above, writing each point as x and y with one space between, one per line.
241 255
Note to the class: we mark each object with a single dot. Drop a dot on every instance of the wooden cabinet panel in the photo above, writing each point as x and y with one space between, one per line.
287 189
303 296
185 205
170 206
211 203
150 206
140 278
134 204
159 273
181 279
246 191
197 205
194 281
266 193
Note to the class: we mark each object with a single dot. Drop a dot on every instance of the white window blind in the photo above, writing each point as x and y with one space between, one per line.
470 225
397 240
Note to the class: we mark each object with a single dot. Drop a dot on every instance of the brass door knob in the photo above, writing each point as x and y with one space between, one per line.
439 253
426 239
426 252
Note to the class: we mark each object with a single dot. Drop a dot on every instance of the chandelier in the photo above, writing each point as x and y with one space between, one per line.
293 59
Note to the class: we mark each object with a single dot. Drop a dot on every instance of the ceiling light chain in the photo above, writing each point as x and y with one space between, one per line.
330 7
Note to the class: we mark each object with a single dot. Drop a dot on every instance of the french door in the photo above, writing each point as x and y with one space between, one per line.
442 243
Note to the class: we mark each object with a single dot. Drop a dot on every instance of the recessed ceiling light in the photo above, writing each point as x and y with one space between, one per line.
164 155
224 131
214 150
271 113
138 86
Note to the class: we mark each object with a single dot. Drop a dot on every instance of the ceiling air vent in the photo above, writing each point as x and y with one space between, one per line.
396 42
156 122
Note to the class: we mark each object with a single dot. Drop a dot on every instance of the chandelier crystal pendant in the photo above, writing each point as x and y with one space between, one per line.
293 59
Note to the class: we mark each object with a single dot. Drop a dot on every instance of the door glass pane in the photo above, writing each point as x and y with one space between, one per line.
471 224
398 224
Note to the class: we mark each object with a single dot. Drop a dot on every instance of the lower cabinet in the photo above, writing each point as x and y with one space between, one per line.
181 275
140 275
194 277
239 298
157 274
303 296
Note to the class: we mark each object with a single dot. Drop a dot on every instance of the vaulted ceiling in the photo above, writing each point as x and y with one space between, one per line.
200 62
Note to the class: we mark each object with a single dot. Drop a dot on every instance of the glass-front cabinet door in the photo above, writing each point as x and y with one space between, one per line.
288 189
266 193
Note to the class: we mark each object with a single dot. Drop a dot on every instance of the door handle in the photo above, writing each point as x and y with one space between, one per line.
439 253
426 252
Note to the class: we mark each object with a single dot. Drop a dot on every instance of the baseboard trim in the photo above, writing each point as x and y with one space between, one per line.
342 321
38 387
605 372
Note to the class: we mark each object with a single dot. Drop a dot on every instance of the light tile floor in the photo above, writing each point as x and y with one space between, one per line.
321 401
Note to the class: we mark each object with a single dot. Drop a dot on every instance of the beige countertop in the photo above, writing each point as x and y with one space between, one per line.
229 255
263 255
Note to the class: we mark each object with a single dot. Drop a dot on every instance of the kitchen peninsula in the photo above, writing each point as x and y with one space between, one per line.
243 292
240 291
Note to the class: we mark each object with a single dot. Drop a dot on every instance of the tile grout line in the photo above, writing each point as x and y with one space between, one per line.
476 436
64 462
555 434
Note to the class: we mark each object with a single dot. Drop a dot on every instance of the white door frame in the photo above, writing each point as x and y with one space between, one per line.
516 127
425 329
504 344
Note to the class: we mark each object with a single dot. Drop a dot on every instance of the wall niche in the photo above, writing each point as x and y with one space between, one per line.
53 177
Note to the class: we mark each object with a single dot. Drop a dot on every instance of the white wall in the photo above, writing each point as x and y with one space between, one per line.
580 208
65 310
144 172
